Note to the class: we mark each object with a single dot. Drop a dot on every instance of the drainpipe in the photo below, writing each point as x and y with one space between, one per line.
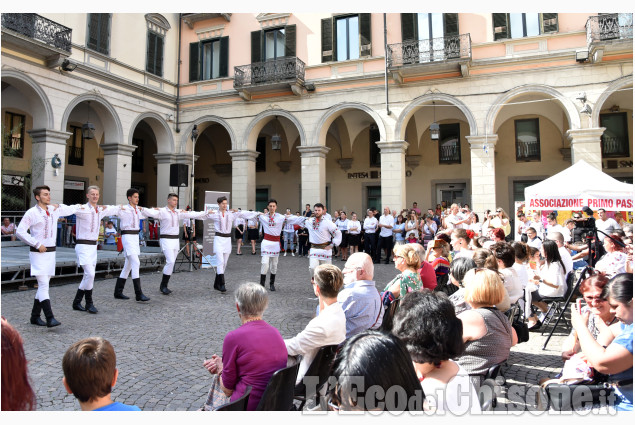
178 77
386 64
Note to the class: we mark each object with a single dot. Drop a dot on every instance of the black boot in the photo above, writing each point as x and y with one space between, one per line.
137 290
89 301
216 282
35 313
263 279
271 282
48 313
77 302
121 282
164 285
221 283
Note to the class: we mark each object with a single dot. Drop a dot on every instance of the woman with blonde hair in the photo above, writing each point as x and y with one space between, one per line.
500 220
407 261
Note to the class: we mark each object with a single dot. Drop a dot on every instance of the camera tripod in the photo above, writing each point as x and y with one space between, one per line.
194 258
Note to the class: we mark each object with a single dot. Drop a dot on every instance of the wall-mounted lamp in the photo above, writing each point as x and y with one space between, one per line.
69 66
586 109
581 97
435 129
276 140
194 133
88 129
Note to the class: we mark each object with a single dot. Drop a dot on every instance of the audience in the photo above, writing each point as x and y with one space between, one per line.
426 271
550 281
565 256
17 393
460 241
614 261
438 257
505 259
407 262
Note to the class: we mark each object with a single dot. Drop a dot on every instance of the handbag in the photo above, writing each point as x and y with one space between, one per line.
390 308
216 396
522 330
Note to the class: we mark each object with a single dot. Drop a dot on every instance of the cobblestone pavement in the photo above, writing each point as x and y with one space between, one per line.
161 344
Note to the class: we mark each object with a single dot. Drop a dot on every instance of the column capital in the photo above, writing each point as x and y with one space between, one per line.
183 158
477 142
585 135
313 151
395 146
244 155
117 149
165 158
45 135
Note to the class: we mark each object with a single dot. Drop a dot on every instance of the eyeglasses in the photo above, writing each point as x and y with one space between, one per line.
350 269
499 211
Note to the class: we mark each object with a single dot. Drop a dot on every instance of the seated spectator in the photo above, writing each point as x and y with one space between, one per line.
520 265
614 261
438 256
17 393
565 256
487 333
550 281
497 235
458 270
460 242
359 297
8 230
90 373
407 262
479 242
251 353
505 259
373 360
427 325
533 239
484 258
616 360
329 327
426 271
553 226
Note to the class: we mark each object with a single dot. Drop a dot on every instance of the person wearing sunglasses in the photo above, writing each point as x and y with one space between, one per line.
499 220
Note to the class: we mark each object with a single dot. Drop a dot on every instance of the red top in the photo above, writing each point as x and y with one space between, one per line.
428 276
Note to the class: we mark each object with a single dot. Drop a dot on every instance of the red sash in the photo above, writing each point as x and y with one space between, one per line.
271 238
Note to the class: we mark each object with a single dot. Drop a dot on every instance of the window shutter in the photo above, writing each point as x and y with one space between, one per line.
549 22
104 33
501 26
408 27
256 46
224 57
327 40
92 21
450 24
194 62
158 67
150 52
290 40
364 34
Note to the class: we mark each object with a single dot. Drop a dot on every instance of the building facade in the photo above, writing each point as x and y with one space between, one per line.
352 110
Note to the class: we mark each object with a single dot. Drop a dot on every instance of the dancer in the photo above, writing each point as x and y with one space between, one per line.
87 230
41 222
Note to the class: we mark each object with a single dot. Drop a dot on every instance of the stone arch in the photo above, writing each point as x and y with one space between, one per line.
408 112
187 141
113 129
319 138
612 88
258 123
572 114
162 133
42 111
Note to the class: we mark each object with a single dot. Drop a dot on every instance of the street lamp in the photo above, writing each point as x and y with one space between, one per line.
434 127
194 136
276 140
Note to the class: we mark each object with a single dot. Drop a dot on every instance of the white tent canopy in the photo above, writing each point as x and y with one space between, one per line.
578 186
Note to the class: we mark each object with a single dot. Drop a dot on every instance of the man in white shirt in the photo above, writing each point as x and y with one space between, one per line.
532 238
505 257
605 224
521 226
329 327
558 238
289 234
456 220
370 226
536 223
553 226
386 223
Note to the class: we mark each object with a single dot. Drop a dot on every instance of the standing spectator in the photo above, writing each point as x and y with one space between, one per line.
239 232
521 227
17 393
416 209
553 226
407 262
475 226
411 227
499 221
110 233
303 241
537 224
307 211
342 225
426 271
289 234
429 228
8 230
370 226
189 232
386 224
253 235
353 228
456 219
398 230
605 224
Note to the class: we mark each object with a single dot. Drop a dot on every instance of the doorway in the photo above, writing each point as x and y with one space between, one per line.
451 193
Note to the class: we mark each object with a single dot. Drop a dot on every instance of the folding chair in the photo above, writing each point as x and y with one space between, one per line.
239 405
319 369
557 305
278 395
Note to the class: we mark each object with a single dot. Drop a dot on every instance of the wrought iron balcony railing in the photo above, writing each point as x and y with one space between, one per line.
614 147
280 70
526 151
75 155
39 28
450 153
433 50
13 146
612 26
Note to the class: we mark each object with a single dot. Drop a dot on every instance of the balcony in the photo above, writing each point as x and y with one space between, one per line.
527 150
13 146
37 34
76 155
609 33
269 76
436 55
450 153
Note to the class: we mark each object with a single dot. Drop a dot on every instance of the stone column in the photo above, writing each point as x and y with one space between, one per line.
243 179
483 172
586 144
117 172
45 145
393 174
163 179
313 174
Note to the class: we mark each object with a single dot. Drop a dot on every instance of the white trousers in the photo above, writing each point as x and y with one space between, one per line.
131 266
42 287
222 261
314 262
269 263
170 259
89 277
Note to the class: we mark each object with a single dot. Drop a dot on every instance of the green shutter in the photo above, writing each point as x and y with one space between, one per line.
450 24
256 46
327 40
194 62
408 27
104 33
158 67
224 57
289 41
150 53
501 26
364 34
549 22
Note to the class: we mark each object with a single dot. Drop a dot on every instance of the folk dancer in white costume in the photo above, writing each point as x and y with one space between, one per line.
87 232
170 219
129 216
41 222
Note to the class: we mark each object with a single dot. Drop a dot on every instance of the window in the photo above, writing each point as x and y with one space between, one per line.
450 144
615 141
137 156
262 198
99 32
76 147
154 55
346 37
527 140
519 25
375 154
13 135
261 160
209 59
273 43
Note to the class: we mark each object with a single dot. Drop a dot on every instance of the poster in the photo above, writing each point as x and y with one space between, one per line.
208 227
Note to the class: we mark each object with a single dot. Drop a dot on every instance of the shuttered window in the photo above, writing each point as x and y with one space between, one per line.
615 140
425 26
209 59
154 55
273 43
527 139
519 25
346 37
375 153
99 32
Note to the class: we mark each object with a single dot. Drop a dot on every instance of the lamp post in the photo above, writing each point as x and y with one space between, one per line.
194 136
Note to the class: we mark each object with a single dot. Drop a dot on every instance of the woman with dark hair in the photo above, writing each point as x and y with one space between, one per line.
427 325
412 227
428 229
614 261
485 259
458 270
17 393
369 361
460 242
550 281
438 255
398 231
520 265
616 359
475 226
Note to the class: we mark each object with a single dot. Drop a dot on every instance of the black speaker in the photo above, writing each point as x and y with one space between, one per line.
178 175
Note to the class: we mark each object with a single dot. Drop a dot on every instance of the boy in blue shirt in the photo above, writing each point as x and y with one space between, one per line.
90 373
